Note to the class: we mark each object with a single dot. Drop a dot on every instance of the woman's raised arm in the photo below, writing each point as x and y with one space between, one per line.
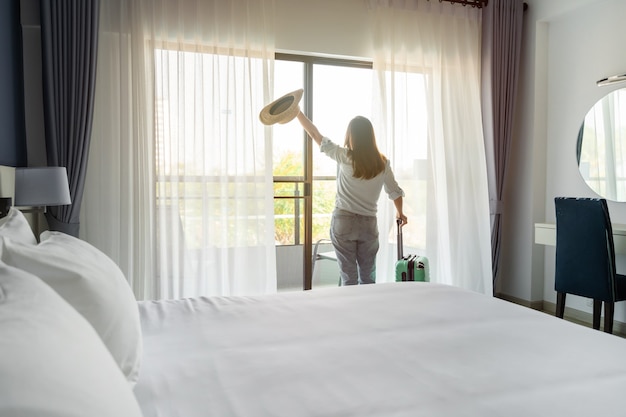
310 128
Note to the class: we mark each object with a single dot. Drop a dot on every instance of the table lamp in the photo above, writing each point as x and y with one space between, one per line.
39 187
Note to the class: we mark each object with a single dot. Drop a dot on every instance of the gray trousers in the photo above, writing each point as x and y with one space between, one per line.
355 239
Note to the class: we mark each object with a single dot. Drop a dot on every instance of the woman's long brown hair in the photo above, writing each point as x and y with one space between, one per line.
367 161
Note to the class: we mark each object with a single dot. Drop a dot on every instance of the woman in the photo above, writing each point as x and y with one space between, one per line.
362 174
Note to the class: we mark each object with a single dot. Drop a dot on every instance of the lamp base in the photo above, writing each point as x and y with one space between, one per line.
36 212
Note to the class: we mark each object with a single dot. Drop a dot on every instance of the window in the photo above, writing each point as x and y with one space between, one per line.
198 198
190 125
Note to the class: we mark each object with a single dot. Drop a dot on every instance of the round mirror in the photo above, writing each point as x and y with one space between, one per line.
601 146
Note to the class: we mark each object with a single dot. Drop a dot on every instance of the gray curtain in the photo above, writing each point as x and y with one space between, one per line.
69 38
502 37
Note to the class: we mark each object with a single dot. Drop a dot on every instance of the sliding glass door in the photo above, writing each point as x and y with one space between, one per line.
335 91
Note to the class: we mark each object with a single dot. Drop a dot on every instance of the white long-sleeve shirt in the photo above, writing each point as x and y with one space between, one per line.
358 195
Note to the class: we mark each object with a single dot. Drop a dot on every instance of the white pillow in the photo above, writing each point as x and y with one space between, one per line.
52 362
90 282
15 226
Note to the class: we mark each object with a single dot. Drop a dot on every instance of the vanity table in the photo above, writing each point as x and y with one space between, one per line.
598 152
545 234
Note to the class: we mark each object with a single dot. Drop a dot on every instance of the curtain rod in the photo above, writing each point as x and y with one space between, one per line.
475 3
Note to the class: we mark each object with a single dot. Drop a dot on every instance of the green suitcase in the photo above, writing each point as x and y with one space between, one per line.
410 267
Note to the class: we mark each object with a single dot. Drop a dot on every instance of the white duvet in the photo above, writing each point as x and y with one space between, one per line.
396 349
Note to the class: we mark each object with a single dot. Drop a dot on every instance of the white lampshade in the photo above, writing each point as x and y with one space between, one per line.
41 186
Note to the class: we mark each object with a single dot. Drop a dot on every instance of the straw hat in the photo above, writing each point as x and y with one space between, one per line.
282 110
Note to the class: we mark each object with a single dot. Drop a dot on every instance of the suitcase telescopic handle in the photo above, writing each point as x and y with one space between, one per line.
399 223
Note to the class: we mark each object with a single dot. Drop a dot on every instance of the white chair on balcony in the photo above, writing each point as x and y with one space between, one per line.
320 256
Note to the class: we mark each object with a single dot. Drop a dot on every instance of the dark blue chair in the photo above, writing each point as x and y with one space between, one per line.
585 257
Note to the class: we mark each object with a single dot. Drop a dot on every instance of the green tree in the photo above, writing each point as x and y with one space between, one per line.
291 165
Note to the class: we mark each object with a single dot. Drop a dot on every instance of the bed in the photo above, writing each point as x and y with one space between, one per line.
75 342
393 349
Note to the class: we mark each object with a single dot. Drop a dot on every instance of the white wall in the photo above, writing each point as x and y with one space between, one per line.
323 27
568 46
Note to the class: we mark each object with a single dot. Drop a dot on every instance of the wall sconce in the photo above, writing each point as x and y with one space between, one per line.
611 80
41 187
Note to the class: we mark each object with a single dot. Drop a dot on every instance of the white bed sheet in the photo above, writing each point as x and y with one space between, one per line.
397 349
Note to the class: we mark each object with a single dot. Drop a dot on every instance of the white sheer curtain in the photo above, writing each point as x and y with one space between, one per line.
432 50
179 186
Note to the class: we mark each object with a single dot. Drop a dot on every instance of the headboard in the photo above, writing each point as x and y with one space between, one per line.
7 188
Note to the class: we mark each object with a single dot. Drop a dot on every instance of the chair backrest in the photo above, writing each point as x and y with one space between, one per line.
585 253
